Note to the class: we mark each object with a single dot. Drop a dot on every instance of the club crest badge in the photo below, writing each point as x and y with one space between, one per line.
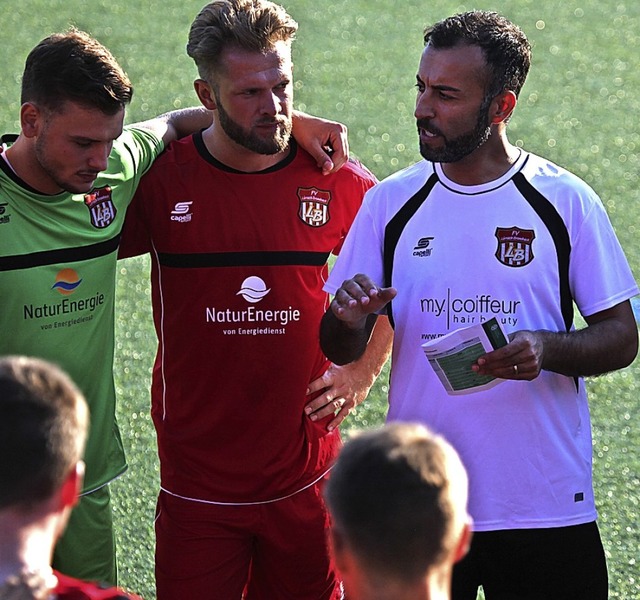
101 207
515 246
314 206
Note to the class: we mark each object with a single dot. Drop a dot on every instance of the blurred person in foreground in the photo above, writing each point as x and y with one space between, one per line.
398 503
483 229
65 184
43 428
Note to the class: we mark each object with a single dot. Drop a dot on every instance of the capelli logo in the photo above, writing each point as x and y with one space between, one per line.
181 212
423 247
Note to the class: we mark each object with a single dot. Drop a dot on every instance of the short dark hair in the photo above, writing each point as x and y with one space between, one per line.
253 25
43 426
397 497
505 47
75 67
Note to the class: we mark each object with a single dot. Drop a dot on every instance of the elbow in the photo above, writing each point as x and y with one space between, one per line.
328 343
339 360
630 350
334 350
340 344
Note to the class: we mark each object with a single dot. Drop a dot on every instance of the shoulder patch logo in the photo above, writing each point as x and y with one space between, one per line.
515 246
101 207
314 206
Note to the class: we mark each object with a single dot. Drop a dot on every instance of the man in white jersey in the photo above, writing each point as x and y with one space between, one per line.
65 183
483 229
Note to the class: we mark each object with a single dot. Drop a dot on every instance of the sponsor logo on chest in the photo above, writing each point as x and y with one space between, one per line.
252 319
68 307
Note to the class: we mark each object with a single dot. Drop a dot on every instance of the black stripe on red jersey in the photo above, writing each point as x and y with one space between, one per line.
243 259
59 256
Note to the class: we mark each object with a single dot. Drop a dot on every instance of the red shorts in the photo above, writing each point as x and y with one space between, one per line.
275 551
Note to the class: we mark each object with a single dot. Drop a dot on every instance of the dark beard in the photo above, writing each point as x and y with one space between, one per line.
249 140
457 148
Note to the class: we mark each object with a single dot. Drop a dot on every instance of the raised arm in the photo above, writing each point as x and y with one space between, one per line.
609 342
176 124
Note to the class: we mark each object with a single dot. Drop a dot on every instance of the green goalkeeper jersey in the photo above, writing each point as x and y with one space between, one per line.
57 284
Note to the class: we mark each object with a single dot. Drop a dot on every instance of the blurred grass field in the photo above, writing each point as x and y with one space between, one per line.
356 62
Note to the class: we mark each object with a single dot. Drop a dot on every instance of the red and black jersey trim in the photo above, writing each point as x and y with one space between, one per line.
243 259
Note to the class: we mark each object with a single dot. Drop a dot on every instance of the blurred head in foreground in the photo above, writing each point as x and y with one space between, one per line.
43 428
398 501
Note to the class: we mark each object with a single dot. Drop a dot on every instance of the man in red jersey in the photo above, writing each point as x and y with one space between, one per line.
43 428
240 224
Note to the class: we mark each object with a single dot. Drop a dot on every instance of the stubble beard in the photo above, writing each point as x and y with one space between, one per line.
42 156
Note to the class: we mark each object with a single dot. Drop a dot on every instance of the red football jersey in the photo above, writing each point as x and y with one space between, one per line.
69 588
238 265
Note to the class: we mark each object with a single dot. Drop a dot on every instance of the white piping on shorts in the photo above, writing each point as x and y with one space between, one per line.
246 503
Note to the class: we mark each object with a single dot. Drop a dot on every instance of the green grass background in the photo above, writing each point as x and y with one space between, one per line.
355 61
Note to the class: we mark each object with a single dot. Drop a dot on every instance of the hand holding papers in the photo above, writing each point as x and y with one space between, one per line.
452 355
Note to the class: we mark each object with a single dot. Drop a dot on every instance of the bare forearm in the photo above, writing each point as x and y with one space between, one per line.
178 123
609 342
378 347
343 344
189 120
597 349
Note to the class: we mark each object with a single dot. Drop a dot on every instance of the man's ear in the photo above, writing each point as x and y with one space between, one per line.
464 542
205 94
31 119
338 549
72 486
502 107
